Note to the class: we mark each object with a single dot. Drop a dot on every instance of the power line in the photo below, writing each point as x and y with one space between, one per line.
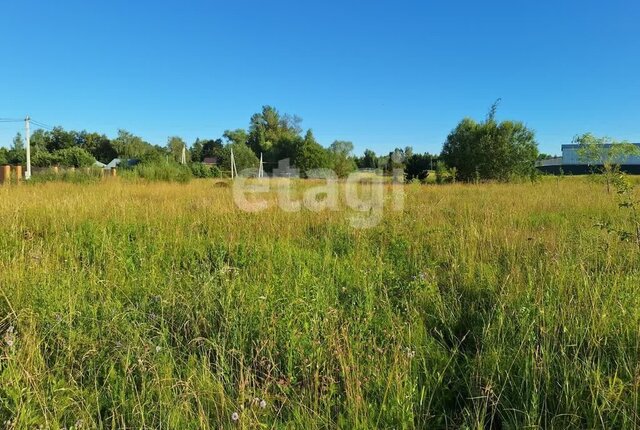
10 120
40 124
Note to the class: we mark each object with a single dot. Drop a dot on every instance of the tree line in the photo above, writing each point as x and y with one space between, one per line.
485 150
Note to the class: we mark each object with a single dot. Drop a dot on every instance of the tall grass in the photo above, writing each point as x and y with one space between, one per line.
126 305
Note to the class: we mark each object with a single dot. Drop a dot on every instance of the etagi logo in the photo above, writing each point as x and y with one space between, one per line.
364 193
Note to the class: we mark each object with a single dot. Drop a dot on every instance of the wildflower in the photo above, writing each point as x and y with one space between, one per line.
263 404
410 353
235 416
10 337
158 348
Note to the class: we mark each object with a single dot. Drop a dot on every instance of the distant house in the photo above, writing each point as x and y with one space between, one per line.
570 162
210 161
113 163
116 162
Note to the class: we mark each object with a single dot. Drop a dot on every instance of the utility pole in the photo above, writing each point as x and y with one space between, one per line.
27 173
261 168
183 159
234 171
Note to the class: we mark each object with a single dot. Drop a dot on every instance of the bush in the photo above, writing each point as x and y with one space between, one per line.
490 149
442 174
44 159
74 157
83 176
199 170
161 171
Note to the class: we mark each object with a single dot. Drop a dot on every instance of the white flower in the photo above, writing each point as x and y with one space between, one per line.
158 348
263 403
235 416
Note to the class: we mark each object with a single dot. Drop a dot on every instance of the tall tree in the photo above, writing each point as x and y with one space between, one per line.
237 136
129 146
197 151
212 148
309 154
175 145
17 153
418 165
368 161
395 160
242 154
342 161
98 145
270 132
490 150
59 138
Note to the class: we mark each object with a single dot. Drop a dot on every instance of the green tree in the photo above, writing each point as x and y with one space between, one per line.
42 158
342 162
197 152
17 154
38 140
417 166
212 148
395 160
490 150
129 146
175 145
4 156
604 154
442 173
309 154
58 139
368 160
270 133
236 136
75 157
243 155
97 145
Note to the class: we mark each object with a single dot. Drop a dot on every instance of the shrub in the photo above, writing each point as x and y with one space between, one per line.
442 174
200 170
84 176
74 157
44 159
160 171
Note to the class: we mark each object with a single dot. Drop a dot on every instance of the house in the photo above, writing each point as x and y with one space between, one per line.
571 162
117 162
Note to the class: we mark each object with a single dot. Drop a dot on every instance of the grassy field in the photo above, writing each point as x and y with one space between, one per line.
131 305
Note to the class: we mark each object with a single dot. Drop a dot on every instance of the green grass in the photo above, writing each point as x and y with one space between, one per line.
160 305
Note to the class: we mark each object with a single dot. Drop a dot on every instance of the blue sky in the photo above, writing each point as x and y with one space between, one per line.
379 73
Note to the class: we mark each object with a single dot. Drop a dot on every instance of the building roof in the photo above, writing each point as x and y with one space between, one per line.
577 145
